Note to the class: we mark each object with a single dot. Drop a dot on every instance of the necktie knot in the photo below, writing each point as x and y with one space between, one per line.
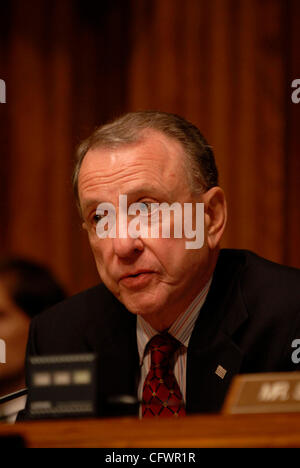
162 348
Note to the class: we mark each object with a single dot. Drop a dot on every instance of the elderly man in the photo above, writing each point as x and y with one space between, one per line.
171 325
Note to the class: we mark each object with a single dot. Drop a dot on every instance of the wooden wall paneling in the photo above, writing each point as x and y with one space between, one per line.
292 153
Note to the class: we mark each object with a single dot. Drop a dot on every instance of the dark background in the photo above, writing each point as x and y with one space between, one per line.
70 65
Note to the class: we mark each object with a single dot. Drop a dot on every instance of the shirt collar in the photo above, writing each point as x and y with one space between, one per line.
181 329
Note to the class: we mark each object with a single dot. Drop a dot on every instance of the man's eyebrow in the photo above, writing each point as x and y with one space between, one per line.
90 202
138 191
146 189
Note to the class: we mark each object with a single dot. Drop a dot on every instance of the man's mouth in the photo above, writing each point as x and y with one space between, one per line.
137 280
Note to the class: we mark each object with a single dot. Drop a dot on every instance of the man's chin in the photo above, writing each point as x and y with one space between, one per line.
140 305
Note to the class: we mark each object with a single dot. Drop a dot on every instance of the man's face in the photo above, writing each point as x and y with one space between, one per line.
157 278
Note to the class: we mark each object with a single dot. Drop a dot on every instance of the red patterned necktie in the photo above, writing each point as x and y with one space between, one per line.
161 393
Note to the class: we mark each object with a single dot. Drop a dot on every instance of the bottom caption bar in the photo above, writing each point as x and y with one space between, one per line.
135 457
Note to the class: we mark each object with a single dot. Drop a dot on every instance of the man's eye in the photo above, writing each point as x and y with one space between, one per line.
145 208
96 218
151 207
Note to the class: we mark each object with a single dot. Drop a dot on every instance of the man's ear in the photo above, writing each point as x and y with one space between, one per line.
215 210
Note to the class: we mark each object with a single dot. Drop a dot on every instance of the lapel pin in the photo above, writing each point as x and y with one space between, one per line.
221 372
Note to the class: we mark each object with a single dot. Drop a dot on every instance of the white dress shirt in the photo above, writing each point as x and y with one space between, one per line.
181 329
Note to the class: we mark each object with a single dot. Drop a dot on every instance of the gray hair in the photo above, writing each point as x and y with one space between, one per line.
130 129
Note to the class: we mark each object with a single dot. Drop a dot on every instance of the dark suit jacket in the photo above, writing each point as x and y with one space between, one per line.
248 323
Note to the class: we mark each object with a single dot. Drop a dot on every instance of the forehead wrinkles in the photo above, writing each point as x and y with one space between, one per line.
120 173
154 162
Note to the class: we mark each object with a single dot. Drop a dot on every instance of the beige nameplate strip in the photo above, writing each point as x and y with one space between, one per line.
264 393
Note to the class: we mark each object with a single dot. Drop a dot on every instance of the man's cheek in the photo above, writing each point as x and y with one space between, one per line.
108 278
97 249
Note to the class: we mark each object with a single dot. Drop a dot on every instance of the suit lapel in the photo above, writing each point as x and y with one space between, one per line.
117 347
213 356
119 364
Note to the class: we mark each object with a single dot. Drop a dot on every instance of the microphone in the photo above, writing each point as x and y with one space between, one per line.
13 396
7 410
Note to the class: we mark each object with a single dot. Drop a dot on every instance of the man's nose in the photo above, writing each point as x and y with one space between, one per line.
127 247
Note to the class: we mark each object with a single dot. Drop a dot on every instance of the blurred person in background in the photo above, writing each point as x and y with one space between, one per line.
26 289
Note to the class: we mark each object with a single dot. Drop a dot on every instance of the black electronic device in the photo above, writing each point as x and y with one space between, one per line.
67 386
62 386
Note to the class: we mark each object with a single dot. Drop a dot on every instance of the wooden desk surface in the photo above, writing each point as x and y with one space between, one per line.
272 430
